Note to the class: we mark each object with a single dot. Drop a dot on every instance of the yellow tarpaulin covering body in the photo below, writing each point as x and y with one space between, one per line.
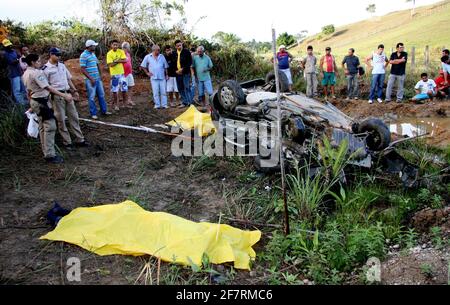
128 229
194 119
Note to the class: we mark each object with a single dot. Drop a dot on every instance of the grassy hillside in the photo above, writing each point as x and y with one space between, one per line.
429 26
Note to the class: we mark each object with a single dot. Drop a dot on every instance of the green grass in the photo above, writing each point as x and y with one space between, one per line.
368 216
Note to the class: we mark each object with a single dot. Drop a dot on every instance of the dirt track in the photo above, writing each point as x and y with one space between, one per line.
120 164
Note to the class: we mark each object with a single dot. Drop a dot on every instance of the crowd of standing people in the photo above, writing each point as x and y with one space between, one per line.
49 92
377 62
175 75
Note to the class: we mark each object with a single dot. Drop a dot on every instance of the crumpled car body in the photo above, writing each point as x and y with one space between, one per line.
304 122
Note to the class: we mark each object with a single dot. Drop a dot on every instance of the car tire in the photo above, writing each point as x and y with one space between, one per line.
230 94
379 135
284 82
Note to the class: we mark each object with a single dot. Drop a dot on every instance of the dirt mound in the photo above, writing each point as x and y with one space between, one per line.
422 265
142 86
427 218
362 109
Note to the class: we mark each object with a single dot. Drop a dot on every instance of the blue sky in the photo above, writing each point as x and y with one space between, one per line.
247 18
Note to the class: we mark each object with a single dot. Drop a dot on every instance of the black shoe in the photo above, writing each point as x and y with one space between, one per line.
69 147
82 144
55 160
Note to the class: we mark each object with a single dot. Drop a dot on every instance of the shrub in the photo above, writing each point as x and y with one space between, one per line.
12 122
239 63
328 29
366 242
286 39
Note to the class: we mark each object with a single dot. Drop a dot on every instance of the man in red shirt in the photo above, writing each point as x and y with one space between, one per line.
329 71
128 68
443 90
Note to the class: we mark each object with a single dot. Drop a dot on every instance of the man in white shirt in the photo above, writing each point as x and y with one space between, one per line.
156 68
425 88
379 64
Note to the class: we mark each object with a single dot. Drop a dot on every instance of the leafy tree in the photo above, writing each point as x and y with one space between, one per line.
123 18
286 39
328 29
371 9
226 39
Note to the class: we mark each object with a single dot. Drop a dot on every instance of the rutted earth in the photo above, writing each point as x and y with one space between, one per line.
123 164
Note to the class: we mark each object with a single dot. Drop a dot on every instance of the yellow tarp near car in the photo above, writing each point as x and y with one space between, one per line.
128 229
194 119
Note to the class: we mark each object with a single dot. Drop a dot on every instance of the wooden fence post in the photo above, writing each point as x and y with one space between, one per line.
427 58
413 58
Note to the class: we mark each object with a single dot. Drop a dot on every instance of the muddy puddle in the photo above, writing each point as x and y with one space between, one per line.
437 128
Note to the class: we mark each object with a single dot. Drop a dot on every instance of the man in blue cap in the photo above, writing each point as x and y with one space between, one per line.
60 78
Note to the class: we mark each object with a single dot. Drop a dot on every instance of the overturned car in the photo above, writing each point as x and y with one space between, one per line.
304 122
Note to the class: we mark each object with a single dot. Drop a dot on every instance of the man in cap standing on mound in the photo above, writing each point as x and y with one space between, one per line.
93 79
60 78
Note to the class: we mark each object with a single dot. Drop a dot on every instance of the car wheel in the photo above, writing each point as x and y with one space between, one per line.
230 94
379 135
284 82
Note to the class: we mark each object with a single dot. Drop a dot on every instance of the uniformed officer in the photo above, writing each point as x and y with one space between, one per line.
59 77
38 93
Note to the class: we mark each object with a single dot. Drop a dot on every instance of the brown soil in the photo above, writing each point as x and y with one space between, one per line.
142 85
392 112
422 265
362 109
120 164
423 220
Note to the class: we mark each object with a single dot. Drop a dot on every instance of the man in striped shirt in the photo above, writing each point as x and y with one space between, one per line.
93 81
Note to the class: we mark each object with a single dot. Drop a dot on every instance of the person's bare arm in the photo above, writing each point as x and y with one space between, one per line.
321 64
336 68
29 95
368 59
303 63
74 90
85 73
146 71
99 71
445 77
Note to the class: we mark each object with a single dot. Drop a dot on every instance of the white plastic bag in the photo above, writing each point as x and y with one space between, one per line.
33 125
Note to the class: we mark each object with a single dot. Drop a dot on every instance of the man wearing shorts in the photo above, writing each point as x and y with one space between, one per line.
171 87
329 71
115 60
284 58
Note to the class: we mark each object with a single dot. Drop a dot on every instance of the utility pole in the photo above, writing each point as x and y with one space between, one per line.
280 134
